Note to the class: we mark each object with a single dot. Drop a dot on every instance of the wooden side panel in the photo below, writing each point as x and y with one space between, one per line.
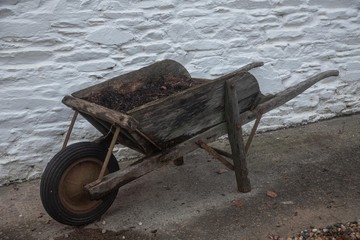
180 116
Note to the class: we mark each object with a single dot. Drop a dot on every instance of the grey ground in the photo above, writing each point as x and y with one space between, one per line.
314 169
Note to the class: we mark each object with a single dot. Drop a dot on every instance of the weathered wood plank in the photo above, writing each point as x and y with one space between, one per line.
233 123
185 114
120 178
94 110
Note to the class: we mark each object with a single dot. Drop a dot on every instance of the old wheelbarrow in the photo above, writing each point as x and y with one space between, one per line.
81 181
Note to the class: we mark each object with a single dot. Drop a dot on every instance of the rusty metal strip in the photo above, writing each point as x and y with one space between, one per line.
215 154
222 152
67 137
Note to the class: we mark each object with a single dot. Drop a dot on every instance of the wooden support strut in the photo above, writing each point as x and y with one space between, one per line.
107 158
109 152
70 129
234 130
216 155
253 131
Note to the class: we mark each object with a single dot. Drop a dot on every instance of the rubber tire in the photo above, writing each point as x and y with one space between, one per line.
50 180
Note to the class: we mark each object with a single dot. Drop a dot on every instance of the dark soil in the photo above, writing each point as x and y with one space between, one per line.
150 91
98 234
338 231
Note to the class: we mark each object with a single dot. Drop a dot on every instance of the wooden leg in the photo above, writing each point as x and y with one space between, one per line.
235 137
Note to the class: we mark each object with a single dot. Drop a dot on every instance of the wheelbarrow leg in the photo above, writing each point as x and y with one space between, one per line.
107 158
232 117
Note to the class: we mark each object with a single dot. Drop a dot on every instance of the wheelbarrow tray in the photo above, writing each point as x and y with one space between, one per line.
163 123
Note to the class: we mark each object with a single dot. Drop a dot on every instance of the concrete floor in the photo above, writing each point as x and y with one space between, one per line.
314 169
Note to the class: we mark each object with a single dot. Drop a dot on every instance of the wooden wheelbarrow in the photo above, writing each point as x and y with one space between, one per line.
82 180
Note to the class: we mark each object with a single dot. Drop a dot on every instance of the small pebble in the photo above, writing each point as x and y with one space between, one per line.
103 222
140 223
103 231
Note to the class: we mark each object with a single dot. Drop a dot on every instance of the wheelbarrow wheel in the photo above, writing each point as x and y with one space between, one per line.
61 188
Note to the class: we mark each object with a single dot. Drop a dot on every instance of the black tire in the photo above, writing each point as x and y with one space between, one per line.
61 184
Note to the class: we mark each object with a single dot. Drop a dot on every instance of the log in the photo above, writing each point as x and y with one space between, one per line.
136 79
234 130
113 117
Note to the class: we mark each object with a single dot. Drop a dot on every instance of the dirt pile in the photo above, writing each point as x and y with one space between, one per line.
150 91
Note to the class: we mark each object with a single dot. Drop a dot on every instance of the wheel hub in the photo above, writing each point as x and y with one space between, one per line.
71 187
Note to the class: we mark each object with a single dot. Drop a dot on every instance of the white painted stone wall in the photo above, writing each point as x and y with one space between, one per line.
49 48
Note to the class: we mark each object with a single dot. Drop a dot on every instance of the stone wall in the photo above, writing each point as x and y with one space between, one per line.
54 47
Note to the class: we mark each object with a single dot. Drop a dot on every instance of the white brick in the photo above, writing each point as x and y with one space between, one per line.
155 35
123 14
5 12
335 3
96 66
82 56
297 19
20 28
202 45
28 57
342 14
110 36
160 4
110 5
283 34
193 13
181 32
